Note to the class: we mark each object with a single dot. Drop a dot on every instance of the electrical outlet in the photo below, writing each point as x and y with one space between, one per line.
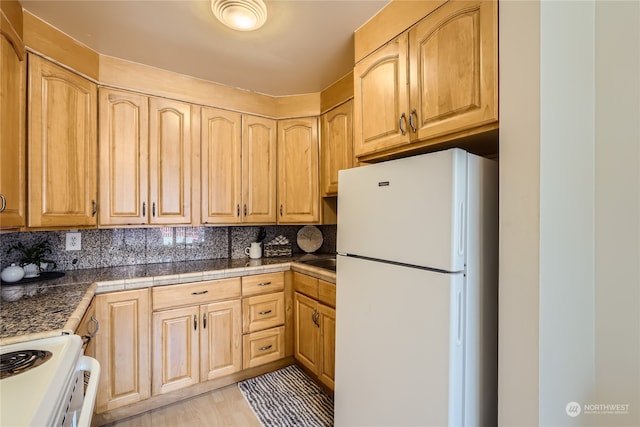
74 241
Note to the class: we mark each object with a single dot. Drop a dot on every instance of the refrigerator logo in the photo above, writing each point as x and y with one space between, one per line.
383 184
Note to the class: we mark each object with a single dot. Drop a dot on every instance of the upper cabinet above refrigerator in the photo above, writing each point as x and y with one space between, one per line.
434 83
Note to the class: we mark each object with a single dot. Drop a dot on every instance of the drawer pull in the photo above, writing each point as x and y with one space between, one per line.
264 284
266 347
262 313
199 293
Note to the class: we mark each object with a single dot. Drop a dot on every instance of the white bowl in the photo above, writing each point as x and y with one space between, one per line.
12 274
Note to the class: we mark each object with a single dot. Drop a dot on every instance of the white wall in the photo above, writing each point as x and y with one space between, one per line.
617 209
567 200
519 212
585 280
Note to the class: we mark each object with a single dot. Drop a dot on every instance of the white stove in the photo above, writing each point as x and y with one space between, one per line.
51 390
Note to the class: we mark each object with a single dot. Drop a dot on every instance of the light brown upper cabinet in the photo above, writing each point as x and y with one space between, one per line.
12 135
381 99
451 59
62 147
238 168
145 160
124 157
298 184
169 161
337 145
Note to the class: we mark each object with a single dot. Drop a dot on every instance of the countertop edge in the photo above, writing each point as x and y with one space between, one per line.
106 286
74 320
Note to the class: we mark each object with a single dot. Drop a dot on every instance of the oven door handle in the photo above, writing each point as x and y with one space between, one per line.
91 365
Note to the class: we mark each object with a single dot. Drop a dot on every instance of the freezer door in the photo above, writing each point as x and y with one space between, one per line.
409 210
399 346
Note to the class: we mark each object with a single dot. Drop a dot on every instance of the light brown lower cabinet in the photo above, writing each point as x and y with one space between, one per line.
122 348
158 340
195 343
315 326
88 329
263 319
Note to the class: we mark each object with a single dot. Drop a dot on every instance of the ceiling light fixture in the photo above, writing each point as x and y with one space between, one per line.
241 15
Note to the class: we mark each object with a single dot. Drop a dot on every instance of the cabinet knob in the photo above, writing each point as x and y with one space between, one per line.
401 122
412 124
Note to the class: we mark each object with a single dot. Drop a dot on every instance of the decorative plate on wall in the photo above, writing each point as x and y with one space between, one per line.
309 238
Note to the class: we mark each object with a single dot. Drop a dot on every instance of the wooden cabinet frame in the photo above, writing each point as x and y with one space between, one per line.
435 83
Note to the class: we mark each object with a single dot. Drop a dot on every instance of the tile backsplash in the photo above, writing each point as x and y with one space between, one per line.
131 246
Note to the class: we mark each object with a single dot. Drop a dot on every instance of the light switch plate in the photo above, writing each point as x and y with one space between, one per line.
74 241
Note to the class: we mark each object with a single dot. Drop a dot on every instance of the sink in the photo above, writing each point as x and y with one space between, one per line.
326 263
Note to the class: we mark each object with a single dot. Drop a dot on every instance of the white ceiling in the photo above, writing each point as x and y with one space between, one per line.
305 45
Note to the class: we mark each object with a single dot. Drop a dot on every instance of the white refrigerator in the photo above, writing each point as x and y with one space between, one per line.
416 325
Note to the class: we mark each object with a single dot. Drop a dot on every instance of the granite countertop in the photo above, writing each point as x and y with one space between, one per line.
54 307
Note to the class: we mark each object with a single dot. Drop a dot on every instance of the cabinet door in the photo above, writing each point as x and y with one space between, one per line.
62 146
88 329
337 146
124 157
220 151
122 348
258 170
380 116
298 186
175 349
169 161
220 339
454 66
12 136
306 343
327 361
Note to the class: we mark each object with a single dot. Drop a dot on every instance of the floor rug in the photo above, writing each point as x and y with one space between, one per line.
288 398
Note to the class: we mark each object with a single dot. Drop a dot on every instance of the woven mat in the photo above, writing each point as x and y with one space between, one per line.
288 398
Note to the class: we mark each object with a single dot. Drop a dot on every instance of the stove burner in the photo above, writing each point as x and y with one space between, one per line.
16 362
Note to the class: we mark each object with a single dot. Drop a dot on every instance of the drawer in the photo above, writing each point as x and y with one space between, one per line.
327 293
262 283
306 285
262 312
195 293
262 347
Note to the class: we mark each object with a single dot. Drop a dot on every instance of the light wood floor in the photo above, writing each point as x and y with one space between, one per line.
222 407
